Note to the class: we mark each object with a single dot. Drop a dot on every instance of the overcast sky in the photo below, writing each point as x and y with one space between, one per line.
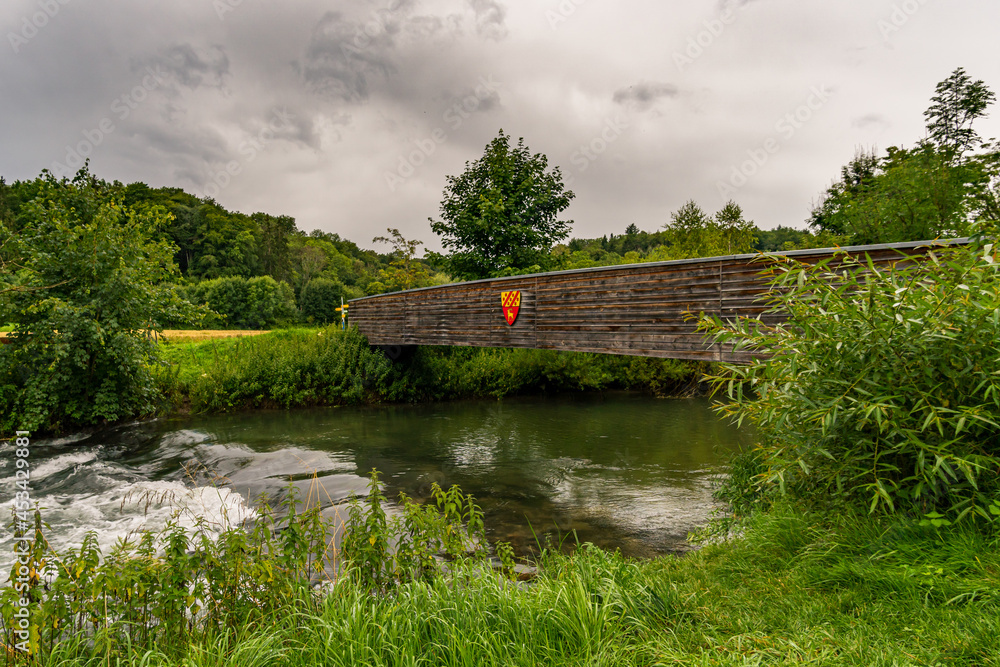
350 115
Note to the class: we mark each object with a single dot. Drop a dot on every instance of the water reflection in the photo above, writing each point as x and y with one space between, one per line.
621 470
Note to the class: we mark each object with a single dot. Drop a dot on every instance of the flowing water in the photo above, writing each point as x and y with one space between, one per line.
620 470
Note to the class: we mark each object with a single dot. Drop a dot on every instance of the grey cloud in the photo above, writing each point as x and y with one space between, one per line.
341 55
425 26
483 96
301 129
870 120
189 151
490 101
345 55
188 67
419 58
298 126
490 18
644 94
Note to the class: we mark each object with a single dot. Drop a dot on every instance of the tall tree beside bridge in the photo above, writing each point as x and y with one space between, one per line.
501 216
958 102
936 189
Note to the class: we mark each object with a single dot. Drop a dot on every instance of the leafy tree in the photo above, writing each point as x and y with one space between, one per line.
405 271
693 233
213 242
226 245
987 204
320 299
932 190
87 284
258 303
591 255
274 232
790 238
958 102
311 262
6 223
915 194
634 240
501 214
857 178
344 247
322 255
6 214
690 231
736 234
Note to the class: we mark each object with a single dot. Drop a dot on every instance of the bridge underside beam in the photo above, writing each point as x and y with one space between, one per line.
640 309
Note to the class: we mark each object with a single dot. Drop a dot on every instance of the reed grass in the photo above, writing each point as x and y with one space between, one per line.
794 588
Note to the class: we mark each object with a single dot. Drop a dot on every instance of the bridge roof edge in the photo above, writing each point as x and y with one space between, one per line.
694 260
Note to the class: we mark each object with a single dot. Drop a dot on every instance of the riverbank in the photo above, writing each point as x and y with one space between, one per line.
313 367
796 588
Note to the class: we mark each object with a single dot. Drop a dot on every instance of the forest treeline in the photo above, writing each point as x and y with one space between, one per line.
501 216
260 270
89 268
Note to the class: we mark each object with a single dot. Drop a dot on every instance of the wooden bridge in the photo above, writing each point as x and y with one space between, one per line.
635 309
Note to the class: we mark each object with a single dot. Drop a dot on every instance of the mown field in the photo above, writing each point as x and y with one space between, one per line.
179 335
198 335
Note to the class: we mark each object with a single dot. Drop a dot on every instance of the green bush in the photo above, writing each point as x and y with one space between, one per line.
320 299
663 377
289 369
442 372
257 303
89 286
305 367
883 386
272 302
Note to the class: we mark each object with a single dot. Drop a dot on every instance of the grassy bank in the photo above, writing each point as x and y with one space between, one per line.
868 531
307 367
796 588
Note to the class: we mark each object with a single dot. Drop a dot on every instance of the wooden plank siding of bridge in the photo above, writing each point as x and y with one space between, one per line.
635 309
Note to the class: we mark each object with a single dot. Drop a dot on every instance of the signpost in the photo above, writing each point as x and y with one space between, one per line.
343 314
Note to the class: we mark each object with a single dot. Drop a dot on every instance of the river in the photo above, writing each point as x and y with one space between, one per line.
620 470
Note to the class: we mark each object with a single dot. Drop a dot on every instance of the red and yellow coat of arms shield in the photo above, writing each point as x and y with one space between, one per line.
511 303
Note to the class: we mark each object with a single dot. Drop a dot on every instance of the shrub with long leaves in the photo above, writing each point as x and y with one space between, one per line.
881 387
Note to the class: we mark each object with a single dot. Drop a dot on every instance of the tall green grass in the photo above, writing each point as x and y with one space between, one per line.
307 367
795 588
291 368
